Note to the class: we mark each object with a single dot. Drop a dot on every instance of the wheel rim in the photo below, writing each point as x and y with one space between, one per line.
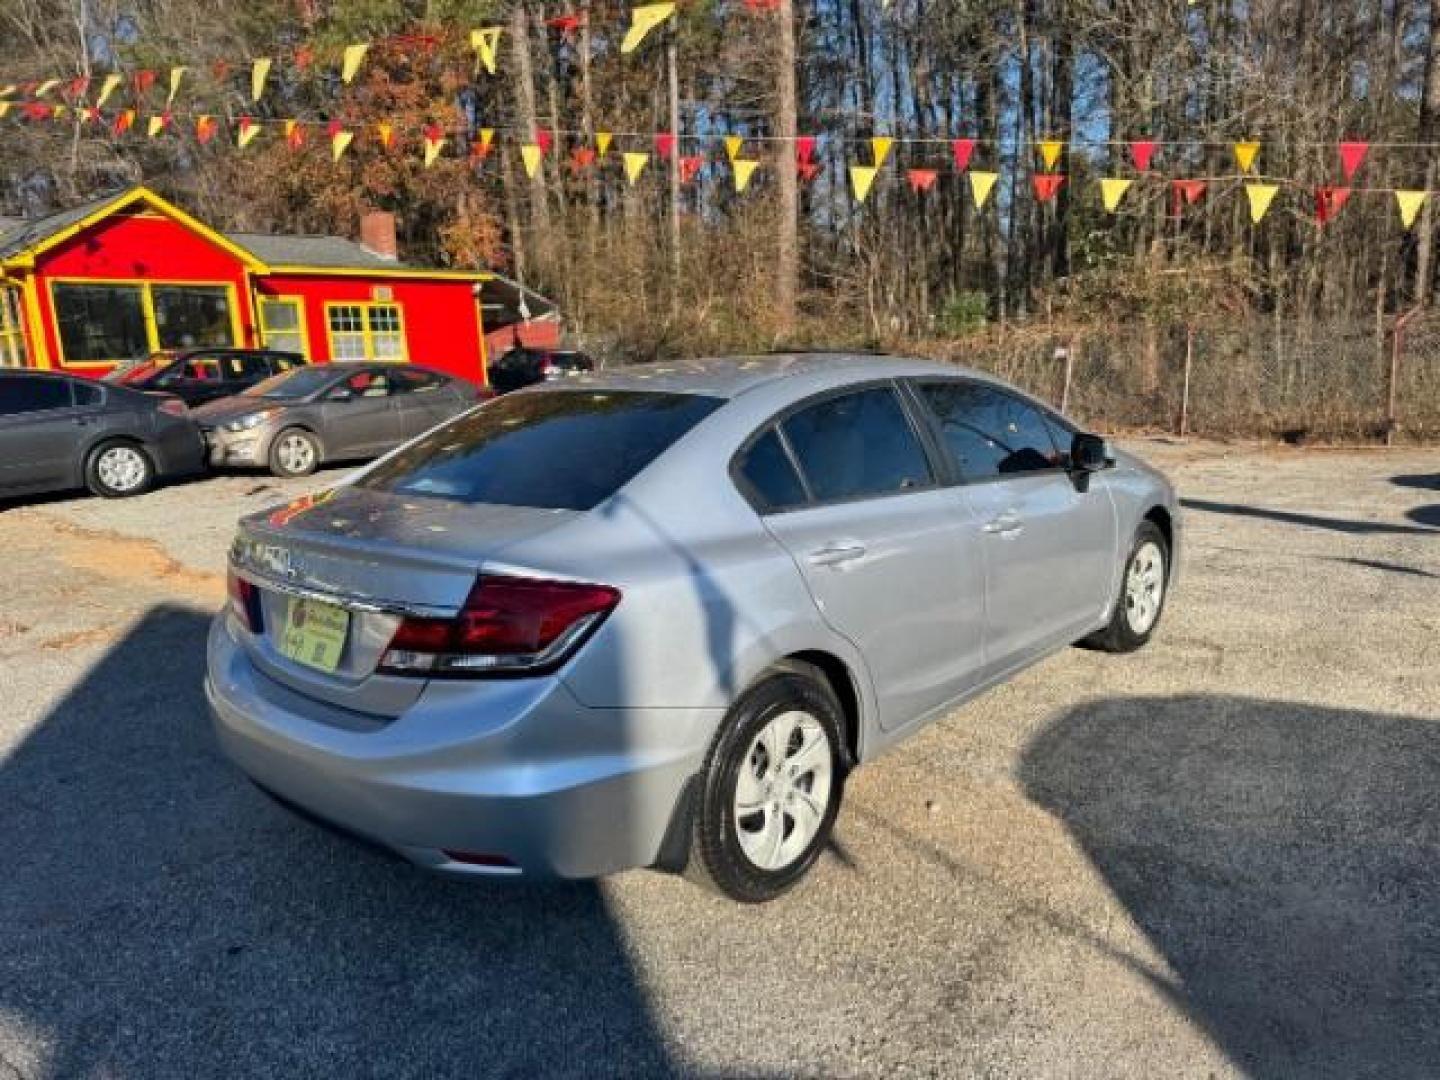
1145 587
783 790
296 453
121 468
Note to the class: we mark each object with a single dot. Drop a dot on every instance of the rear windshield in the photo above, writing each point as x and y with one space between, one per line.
560 450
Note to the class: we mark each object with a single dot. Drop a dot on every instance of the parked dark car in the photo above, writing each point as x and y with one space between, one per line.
293 422
60 431
521 367
196 376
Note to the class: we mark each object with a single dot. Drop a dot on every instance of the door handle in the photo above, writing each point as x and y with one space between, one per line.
1006 524
835 554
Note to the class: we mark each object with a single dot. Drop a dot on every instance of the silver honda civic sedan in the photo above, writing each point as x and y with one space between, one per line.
655 618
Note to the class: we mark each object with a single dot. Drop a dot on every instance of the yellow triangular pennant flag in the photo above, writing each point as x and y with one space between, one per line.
487 136
339 143
635 165
1260 198
1245 153
530 155
289 128
386 131
7 90
1050 152
245 134
259 72
107 88
155 126
353 58
1409 204
981 184
432 150
176 74
602 142
880 148
733 144
45 87
744 170
486 43
59 111
5 107
643 19
1112 190
861 177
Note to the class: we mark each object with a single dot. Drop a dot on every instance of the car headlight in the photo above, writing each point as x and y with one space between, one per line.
250 420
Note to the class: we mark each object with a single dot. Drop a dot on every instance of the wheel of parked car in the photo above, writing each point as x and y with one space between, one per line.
295 452
116 469
771 787
1142 593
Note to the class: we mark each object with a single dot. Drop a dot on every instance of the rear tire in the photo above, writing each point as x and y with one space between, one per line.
1144 588
770 788
118 469
294 452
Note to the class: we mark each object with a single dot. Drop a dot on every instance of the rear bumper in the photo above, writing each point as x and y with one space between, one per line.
553 787
179 449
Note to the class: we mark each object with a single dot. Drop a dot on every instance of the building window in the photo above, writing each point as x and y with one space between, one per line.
365 332
282 323
103 324
12 328
187 316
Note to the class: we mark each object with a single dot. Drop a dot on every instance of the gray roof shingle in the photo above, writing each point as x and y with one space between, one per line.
334 251
26 234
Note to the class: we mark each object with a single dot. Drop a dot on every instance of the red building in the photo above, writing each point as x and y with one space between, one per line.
128 274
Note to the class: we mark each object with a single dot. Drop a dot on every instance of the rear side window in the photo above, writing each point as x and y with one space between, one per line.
25 395
88 394
410 381
770 475
563 450
857 445
990 433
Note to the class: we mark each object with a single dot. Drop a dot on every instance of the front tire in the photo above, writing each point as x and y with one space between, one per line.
771 787
294 452
118 469
1144 587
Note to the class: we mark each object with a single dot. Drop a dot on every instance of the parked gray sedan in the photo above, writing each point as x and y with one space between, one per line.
293 422
655 618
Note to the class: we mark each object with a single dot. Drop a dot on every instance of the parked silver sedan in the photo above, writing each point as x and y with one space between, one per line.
293 422
655 618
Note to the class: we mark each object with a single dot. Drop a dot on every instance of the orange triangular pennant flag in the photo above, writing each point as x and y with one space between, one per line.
1047 185
921 179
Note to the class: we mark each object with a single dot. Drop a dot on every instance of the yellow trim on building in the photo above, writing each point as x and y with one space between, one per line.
298 302
39 348
404 272
147 311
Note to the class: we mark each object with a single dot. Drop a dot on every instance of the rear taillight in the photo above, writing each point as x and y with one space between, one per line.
173 406
245 603
508 625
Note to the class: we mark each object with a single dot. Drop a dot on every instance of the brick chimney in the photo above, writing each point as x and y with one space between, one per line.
377 234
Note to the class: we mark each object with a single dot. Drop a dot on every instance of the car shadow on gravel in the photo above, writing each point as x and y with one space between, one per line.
163 918
1314 521
1284 859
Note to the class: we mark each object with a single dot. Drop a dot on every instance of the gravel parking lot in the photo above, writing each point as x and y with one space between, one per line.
1218 856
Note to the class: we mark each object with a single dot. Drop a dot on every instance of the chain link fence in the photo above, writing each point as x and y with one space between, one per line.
1258 378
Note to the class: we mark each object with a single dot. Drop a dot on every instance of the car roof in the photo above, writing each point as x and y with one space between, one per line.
729 377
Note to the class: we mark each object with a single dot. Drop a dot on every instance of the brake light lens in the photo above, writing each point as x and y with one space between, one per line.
245 602
508 625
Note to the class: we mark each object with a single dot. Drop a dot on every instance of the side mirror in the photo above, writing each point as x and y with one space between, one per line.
340 393
1088 453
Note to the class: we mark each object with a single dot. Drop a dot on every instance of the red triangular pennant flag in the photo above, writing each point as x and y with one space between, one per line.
962 149
921 179
582 157
804 149
544 139
92 114
1329 201
221 70
36 110
1185 193
689 166
566 24
1047 185
1141 151
294 134
77 88
122 122
304 57
809 170
144 80
665 144
1351 155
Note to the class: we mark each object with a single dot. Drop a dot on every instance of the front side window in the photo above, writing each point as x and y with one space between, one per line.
990 433
561 450
856 446
365 332
21 394
101 323
192 315
12 328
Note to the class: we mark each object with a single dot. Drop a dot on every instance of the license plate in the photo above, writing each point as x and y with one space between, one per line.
314 633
